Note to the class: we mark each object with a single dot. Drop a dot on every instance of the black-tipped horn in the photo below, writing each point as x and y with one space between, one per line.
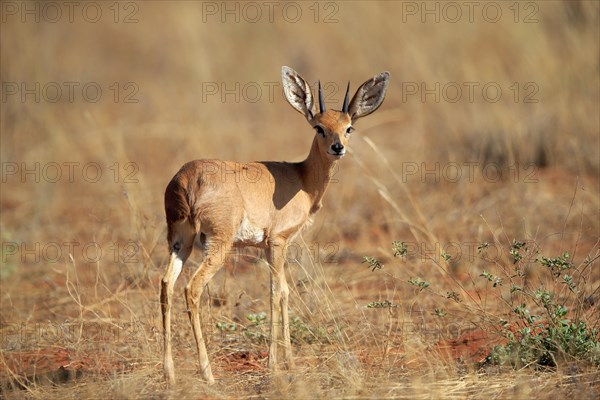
345 106
321 100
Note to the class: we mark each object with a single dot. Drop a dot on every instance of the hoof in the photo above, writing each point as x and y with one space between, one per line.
170 378
210 380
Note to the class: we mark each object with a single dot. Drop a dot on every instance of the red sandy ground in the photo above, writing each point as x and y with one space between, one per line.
61 365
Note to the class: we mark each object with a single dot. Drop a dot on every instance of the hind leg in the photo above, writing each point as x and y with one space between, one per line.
216 252
181 239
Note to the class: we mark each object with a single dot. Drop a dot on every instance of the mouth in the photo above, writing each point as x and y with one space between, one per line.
339 155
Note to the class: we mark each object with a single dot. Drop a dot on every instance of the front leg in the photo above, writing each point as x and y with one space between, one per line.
276 253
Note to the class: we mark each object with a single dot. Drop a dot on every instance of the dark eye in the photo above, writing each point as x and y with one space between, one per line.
349 130
320 130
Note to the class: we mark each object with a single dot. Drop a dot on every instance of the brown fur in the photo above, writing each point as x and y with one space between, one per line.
263 204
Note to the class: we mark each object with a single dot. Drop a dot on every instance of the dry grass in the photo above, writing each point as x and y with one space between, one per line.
76 323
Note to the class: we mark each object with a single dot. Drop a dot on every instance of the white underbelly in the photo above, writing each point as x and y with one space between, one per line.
248 233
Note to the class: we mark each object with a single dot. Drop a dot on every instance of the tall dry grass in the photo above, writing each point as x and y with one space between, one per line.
398 183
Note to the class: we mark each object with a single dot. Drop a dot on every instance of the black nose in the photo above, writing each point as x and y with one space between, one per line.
337 147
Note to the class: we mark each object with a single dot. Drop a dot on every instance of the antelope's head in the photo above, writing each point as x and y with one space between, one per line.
333 127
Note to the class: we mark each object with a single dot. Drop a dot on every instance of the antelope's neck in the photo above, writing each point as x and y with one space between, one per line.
317 173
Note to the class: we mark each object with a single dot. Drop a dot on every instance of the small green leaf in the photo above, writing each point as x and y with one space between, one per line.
373 263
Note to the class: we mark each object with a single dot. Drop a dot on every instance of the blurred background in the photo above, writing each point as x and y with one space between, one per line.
489 132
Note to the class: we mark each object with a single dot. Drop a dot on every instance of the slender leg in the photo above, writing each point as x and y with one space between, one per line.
287 344
279 304
181 240
215 257
275 320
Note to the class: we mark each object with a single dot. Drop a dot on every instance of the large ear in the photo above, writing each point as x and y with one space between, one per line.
297 92
369 96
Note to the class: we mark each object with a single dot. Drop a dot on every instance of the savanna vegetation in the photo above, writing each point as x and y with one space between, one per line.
457 251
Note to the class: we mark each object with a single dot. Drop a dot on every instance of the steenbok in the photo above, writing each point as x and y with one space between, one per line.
262 204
